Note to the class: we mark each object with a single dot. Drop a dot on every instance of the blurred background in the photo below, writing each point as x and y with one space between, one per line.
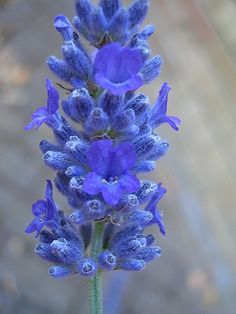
197 272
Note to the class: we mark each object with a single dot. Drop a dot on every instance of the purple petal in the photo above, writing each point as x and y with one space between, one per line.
112 192
119 88
92 184
151 206
129 183
35 124
130 60
99 156
51 206
117 67
48 192
158 220
124 159
39 208
35 225
38 117
159 109
53 98
107 55
158 113
40 113
32 226
174 122
161 104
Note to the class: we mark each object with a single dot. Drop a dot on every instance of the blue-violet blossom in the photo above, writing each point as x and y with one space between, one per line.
111 170
158 112
117 68
45 114
45 212
152 208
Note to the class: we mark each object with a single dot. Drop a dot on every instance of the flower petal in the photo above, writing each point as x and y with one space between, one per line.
35 123
151 206
35 225
99 156
124 158
117 67
129 183
53 97
174 122
119 88
112 193
159 110
51 206
160 192
39 207
38 117
158 113
92 184
158 220
130 61
107 53
48 192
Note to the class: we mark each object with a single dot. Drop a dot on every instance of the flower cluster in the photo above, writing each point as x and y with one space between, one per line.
98 164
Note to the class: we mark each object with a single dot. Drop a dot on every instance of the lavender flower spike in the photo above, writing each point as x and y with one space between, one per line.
113 138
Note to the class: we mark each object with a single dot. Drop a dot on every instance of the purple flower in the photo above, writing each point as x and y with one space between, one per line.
45 211
158 113
117 67
151 206
110 173
45 114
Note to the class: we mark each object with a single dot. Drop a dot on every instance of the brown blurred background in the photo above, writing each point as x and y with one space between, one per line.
197 272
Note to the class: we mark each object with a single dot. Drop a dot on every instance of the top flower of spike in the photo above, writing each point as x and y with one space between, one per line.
117 67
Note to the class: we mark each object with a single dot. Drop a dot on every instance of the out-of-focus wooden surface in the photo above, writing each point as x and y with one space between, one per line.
197 272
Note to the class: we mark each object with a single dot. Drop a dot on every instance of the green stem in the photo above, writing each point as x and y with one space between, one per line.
95 285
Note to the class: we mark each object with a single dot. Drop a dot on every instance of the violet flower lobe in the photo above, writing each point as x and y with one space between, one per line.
117 68
110 170
45 212
152 207
46 114
158 112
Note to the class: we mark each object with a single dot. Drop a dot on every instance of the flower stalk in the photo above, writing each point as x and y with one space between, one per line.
95 283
